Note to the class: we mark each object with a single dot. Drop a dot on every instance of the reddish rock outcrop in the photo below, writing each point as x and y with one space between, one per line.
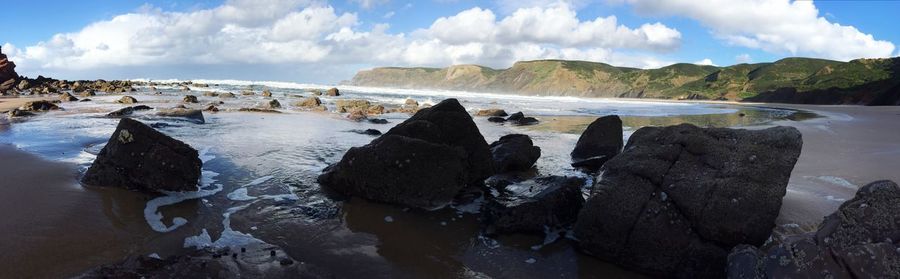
8 74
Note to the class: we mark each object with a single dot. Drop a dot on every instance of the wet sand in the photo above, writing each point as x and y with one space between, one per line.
52 227
848 148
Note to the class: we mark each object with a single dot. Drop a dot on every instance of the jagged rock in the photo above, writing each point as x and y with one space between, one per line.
515 116
87 93
190 99
514 152
39 106
137 157
496 119
8 74
272 104
370 132
267 93
357 115
519 118
423 162
212 108
491 112
18 113
378 121
333 92
375 110
127 100
226 95
193 115
24 85
127 111
535 206
343 106
680 197
601 141
411 102
859 240
309 102
66 97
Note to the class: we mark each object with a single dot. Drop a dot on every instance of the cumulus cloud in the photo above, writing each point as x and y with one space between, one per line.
706 61
778 26
311 34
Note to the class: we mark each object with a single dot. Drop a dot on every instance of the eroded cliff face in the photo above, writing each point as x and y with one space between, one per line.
8 73
790 80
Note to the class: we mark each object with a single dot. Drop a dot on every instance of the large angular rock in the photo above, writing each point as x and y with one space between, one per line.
400 170
859 240
514 152
39 106
680 197
137 157
423 162
8 74
601 141
535 206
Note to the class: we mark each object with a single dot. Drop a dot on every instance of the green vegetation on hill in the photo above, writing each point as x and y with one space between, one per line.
794 80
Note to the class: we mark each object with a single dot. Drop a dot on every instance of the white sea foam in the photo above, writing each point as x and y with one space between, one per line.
240 194
228 238
151 211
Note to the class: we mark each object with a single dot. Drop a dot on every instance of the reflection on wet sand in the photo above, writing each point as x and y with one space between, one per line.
746 116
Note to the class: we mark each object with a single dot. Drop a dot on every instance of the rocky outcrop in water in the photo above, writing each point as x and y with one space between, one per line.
192 115
601 141
127 100
137 157
8 74
491 112
514 152
859 240
333 92
519 118
190 99
39 106
126 111
535 206
680 197
423 162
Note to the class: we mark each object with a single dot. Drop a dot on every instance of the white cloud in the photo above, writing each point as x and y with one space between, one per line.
509 6
308 34
778 26
388 15
706 61
368 4
743 58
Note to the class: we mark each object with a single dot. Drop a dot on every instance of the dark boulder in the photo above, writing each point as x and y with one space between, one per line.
680 197
423 162
535 206
190 99
859 240
127 111
127 100
378 121
370 132
263 110
514 152
496 119
137 157
192 115
516 116
211 108
400 170
601 141
272 104
18 113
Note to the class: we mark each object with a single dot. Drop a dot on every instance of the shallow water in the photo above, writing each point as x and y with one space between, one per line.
259 183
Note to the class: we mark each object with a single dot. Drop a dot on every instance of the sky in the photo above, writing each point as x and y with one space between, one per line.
323 42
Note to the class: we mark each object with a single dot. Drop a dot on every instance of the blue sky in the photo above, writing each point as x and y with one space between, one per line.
328 41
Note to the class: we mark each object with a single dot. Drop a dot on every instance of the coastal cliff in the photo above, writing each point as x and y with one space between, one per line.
8 74
790 80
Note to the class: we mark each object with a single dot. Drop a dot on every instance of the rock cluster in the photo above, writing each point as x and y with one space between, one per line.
859 240
137 157
680 197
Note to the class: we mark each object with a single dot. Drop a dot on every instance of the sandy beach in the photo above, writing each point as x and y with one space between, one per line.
80 228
